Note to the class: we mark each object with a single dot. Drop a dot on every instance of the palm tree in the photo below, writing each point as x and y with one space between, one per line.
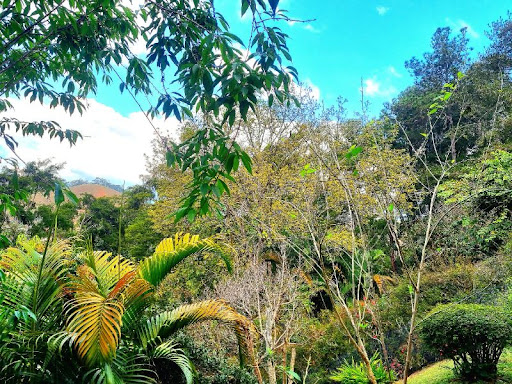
107 321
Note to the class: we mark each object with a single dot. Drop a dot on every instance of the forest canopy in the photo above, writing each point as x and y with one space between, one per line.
278 240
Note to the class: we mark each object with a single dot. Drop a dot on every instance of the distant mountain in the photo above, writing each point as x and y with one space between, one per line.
98 181
96 190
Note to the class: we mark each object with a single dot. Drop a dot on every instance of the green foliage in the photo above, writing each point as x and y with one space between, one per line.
212 367
448 57
44 219
188 43
473 336
85 314
356 373
140 239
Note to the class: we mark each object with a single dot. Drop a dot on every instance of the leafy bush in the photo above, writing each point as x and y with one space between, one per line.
473 336
355 373
213 366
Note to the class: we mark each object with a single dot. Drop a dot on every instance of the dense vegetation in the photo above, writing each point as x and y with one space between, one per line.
346 250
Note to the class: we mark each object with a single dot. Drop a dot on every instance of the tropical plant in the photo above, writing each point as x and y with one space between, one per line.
356 373
107 319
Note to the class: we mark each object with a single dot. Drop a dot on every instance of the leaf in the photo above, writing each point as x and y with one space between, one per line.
170 158
423 134
245 7
273 5
391 207
353 151
247 162
70 196
169 253
294 375
59 196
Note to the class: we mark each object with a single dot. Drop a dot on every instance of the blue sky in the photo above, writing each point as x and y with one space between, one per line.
352 40
349 40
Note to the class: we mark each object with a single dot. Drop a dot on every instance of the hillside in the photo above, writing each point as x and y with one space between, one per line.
95 190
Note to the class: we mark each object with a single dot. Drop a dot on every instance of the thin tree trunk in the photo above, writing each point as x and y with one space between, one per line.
285 353
418 281
292 363
453 148
271 371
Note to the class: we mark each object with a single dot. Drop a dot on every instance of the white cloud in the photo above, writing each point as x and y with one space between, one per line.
381 10
315 91
138 47
459 24
311 28
113 146
392 70
308 27
373 88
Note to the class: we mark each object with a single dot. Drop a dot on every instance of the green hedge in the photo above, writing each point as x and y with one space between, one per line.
473 336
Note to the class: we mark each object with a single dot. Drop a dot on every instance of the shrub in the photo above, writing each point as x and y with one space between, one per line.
473 336
355 373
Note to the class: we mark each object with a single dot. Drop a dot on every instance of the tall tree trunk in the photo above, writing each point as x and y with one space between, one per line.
453 148
292 363
285 356
417 285
271 371
392 252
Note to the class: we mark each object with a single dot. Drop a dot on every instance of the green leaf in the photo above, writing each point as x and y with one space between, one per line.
70 196
170 158
391 207
353 151
247 162
245 7
293 375
207 83
273 5
59 196
191 215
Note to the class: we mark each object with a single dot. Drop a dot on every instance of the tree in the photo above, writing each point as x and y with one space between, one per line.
444 65
99 305
20 188
188 43
448 56
100 222
273 300
500 50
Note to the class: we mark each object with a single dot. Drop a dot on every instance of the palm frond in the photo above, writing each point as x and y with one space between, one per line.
94 319
107 269
169 351
165 324
172 251
126 368
168 254
22 265
135 302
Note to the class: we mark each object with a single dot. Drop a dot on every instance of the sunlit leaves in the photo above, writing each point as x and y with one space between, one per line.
168 254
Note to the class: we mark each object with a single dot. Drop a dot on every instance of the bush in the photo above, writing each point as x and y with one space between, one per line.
355 373
473 336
